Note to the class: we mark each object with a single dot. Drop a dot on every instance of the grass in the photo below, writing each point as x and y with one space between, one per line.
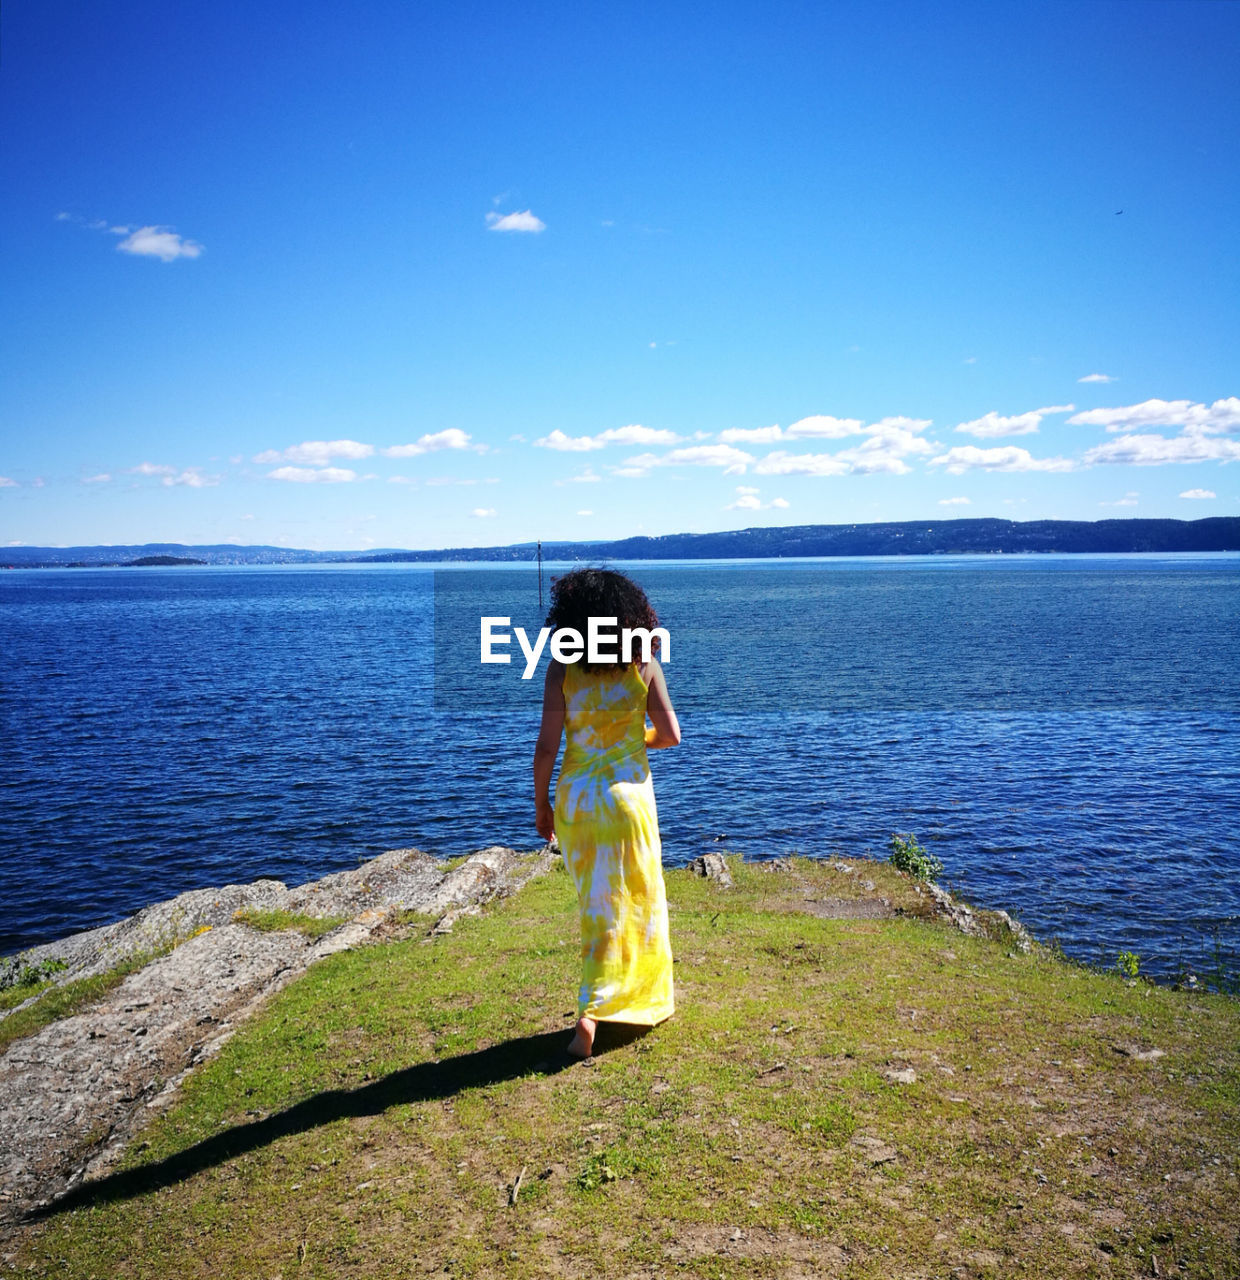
372 1121
61 1001
278 921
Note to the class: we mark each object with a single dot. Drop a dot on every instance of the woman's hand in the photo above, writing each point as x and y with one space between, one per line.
544 820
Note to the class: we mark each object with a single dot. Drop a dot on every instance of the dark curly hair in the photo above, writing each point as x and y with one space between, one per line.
582 594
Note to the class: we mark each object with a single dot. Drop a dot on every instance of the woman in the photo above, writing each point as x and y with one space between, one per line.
604 815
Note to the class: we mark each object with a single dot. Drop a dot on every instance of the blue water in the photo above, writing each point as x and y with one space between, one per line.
1063 732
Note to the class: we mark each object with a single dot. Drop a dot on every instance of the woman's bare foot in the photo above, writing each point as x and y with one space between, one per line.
582 1043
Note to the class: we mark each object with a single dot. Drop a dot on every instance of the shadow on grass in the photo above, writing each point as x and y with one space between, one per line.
427 1081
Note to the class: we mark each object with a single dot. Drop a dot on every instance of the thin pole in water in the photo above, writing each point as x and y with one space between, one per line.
540 602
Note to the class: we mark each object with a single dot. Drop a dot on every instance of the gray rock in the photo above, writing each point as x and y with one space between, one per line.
965 919
713 867
74 1093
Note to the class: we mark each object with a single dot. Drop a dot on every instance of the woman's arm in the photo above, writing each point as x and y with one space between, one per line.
666 731
547 748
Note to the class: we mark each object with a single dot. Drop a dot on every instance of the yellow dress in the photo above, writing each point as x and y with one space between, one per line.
608 829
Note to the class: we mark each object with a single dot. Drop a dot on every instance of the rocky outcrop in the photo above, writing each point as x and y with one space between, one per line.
73 1093
713 867
984 924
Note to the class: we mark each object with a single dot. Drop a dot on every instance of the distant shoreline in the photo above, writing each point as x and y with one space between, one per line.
981 537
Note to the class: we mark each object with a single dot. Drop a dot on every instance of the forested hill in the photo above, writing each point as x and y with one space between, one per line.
910 537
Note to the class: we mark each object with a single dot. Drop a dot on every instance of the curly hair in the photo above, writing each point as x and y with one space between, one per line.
582 594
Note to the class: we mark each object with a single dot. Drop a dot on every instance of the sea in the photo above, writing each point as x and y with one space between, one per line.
1061 731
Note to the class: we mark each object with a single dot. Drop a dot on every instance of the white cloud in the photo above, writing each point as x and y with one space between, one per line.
1019 424
102 478
192 478
1128 500
888 442
751 435
634 433
822 426
317 453
970 359
585 513
434 442
630 435
152 469
483 513
1153 451
157 242
631 473
899 423
401 480
524 221
954 502
733 461
1199 493
38 482
782 463
747 500
817 427
1097 377
968 457
308 475
6 483
1220 418
562 443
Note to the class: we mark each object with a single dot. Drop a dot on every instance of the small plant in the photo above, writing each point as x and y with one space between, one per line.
1128 963
30 975
596 1173
911 858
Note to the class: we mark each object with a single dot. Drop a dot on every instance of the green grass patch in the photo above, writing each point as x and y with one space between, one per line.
374 1119
62 1001
273 921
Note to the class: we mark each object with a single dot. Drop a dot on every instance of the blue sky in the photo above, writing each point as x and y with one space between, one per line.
431 275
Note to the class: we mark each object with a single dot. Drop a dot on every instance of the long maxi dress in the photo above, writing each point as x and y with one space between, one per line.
608 829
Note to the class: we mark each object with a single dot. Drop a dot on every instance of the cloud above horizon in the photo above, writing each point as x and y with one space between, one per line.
314 475
189 477
968 457
523 221
733 461
1154 451
634 434
747 500
434 442
316 453
156 242
1220 418
993 424
152 241
887 444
